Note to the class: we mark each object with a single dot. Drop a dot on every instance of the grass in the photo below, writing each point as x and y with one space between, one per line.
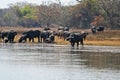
107 38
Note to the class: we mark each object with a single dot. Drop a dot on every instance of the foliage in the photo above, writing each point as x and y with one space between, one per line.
111 9
27 15
82 15
49 14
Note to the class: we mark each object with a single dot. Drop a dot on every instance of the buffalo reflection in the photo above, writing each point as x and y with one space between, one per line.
99 60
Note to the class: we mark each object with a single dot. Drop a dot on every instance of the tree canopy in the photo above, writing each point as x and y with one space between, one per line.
82 15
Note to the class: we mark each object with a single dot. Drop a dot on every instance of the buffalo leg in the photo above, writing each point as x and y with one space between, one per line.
82 42
72 44
38 39
77 44
29 39
32 39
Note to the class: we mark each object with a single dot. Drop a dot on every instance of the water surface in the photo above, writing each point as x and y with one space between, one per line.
42 61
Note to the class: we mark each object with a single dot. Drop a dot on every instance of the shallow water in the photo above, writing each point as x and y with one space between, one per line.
58 62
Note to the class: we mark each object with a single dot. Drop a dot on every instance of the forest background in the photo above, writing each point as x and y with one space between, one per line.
83 15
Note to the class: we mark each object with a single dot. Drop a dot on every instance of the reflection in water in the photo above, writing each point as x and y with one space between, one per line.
64 61
47 54
98 60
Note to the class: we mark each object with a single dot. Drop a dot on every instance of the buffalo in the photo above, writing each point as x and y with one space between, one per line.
62 32
44 35
98 29
93 29
8 36
31 34
23 38
76 38
50 39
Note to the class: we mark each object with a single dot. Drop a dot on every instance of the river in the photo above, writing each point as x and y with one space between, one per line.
41 61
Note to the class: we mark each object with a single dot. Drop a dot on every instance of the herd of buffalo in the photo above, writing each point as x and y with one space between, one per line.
48 36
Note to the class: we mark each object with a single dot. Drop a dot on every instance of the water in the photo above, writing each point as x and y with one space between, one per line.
58 62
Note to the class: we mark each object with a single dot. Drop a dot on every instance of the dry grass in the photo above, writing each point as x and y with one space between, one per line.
61 41
108 38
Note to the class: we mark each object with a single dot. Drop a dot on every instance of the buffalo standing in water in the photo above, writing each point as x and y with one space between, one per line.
76 38
30 35
8 36
23 38
50 39
44 35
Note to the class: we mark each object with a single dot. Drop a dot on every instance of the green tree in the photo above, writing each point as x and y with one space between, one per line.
27 15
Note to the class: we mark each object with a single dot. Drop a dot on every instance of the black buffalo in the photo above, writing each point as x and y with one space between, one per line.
97 29
50 39
8 36
93 29
4 34
11 35
44 35
31 34
66 34
76 38
100 28
23 38
47 36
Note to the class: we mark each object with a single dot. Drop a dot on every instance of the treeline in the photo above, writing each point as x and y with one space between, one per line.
82 15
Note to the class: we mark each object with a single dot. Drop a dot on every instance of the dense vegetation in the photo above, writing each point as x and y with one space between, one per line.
82 15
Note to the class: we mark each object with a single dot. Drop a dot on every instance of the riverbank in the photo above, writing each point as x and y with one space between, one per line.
94 42
107 38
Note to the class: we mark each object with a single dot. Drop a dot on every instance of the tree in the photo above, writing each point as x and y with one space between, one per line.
112 12
8 17
49 14
84 12
27 15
